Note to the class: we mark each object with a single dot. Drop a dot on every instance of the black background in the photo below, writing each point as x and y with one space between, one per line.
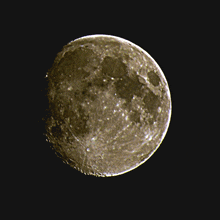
174 178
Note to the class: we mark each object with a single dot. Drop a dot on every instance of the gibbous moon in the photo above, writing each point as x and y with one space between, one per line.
109 105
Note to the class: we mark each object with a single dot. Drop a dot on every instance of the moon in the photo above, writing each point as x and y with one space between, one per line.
109 105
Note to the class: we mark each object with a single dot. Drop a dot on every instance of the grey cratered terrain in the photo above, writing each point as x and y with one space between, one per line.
109 105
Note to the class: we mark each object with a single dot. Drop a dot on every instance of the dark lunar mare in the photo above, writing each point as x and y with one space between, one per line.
153 78
63 104
151 103
113 67
129 85
126 87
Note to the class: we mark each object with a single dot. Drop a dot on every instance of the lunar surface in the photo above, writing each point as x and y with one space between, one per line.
109 105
